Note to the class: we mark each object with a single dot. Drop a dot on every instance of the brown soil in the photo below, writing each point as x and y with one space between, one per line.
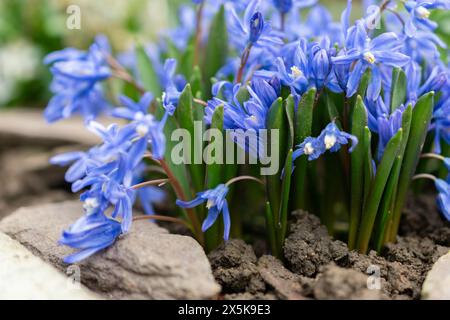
319 267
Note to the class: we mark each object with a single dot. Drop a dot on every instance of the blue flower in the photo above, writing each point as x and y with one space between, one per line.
253 30
305 65
444 197
330 139
90 234
250 116
76 84
366 53
311 147
216 203
419 11
149 196
284 6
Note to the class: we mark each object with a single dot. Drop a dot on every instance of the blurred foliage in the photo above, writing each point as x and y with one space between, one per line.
29 29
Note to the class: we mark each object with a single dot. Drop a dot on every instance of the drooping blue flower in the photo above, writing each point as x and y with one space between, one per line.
311 147
330 139
365 53
216 203
76 84
90 234
443 199
419 11
149 196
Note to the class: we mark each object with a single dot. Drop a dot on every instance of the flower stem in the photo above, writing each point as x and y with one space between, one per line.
424 176
121 73
236 179
432 156
244 59
200 102
283 21
180 194
162 218
198 33
158 182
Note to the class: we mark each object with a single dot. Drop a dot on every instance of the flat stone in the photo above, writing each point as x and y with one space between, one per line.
25 126
147 263
25 276
437 282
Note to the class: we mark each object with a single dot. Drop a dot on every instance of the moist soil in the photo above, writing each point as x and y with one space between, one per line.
315 266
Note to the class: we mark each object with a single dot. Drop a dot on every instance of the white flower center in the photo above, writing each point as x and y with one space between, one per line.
308 149
330 141
296 72
422 12
142 130
90 204
138 116
210 203
369 57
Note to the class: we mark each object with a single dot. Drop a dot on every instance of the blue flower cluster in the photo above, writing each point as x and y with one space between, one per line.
330 139
276 48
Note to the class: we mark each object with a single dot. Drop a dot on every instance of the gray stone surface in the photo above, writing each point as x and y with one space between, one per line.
22 126
147 263
437 282
25 276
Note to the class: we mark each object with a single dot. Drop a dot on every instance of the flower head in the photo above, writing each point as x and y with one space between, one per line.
364 53
90 234
330 139
76 82
216 203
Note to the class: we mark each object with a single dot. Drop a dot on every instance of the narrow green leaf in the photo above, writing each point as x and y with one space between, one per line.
185 117
303 129
388 203
147 73
276 119
420 122
286 187
398 89
216 50
376 191
359 123
368 163
271 230
196 82
290 114
214 177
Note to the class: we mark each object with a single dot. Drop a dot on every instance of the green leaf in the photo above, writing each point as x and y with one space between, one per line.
421 117
214 177
290 114
376 191
214 171
184 115
196 82
389 196
398 89
303 129
286 187
147 73
368 163
359 123
276 120
271 230
216 48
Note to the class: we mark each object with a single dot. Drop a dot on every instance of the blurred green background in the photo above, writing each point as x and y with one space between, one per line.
29 29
